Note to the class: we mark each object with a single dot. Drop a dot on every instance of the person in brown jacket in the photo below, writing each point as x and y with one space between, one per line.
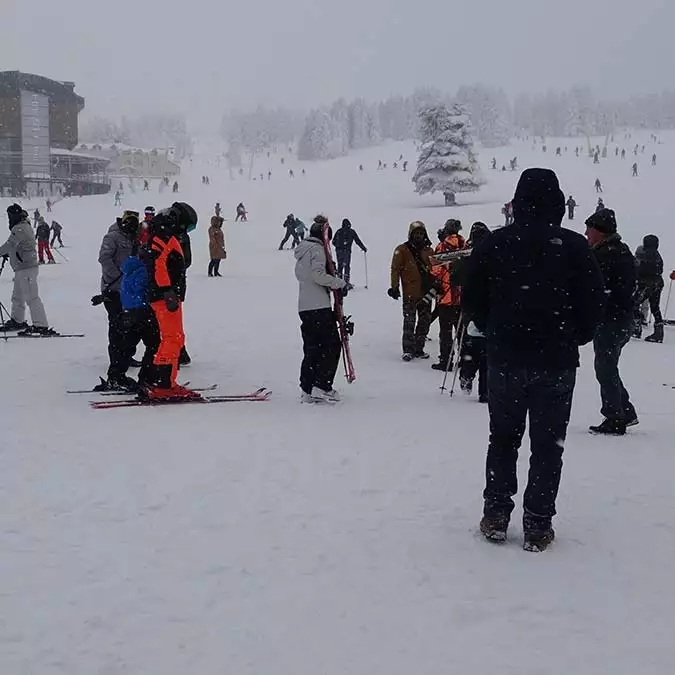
217 250
411 269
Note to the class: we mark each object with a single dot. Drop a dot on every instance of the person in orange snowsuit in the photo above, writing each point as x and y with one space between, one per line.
164 259
448 300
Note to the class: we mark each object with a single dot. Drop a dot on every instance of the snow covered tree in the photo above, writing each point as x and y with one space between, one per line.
447 162
490 113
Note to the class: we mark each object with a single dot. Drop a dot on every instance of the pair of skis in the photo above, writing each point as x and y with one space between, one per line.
262 394
345 325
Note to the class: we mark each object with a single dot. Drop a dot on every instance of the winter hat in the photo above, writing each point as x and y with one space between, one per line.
452 226
417 224
538 198
316 230
15 214
603 221
479 233
651 242
149 212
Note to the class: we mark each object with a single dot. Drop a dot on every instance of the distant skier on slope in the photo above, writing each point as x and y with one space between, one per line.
571 205
343 241
289 225
241 213
598 185
320 337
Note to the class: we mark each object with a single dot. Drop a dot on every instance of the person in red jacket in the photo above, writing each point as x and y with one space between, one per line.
164 259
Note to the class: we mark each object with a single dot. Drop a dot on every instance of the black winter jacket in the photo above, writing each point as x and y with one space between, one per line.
617 265
345 237
536 292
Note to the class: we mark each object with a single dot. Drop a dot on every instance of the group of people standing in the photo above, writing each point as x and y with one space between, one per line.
530 294
143 287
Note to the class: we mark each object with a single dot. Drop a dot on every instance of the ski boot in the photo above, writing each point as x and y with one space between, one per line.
174 394
657 335
41 331
14 325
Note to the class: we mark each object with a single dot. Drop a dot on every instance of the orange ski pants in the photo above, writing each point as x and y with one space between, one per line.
172 337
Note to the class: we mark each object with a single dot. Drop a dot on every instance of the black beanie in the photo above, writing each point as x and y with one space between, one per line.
15 214
603 221
651 242
538 198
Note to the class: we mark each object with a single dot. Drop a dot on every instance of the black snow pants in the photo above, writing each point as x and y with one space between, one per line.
344 263
547 397
121 343
322 348
416 323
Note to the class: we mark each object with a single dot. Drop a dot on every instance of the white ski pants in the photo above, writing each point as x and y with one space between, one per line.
26 292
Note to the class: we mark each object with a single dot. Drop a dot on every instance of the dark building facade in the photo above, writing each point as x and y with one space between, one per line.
37 117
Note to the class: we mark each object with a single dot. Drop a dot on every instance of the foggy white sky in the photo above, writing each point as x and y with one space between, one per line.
201 56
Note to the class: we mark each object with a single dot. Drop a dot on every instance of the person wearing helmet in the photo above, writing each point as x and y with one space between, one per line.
165 262
20 249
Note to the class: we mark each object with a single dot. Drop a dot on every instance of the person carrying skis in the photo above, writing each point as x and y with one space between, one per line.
56 230
343 240
320 337
241 213
164 260
571 205
411 271
617 265
117 245
217 250
20 249
448 300
289 226
649 285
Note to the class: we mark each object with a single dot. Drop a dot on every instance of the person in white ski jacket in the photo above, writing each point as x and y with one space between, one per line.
321 340
20 248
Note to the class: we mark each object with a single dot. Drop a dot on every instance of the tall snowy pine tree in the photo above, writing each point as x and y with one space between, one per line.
447 162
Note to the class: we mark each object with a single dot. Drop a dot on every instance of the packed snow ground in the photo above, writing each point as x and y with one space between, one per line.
280 539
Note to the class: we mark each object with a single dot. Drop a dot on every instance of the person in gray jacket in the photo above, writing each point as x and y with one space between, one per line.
20 248
117 245
321 341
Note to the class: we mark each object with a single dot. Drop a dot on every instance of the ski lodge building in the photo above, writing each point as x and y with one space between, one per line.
38 134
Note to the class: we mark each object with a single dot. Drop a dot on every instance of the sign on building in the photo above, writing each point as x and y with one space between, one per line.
35 134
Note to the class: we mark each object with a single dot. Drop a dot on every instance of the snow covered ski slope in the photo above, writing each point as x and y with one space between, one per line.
284 539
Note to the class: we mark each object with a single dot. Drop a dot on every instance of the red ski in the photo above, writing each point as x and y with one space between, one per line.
345 325
261 394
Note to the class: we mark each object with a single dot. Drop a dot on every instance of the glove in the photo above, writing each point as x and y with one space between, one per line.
97 300
429 297
171 300
394 293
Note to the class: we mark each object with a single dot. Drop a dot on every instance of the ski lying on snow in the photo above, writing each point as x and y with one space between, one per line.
37 336
121 392
261 394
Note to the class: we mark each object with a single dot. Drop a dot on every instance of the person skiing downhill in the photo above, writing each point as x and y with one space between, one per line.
56 230
411 271
165 263
320 337
343 241
290 226
598 185
20 249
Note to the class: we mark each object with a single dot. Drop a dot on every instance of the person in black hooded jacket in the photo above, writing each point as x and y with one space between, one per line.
535 291
619 275
650 285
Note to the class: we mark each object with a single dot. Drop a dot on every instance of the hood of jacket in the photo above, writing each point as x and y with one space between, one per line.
538 199
305 246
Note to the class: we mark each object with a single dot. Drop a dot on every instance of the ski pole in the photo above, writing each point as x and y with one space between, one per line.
455 341
670 288
61 254
459 359
365 257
